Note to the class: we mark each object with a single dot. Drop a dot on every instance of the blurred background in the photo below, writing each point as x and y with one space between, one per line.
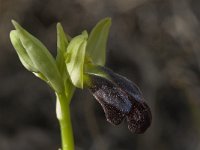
155 43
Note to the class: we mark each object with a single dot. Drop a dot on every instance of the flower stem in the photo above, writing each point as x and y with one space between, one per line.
63 115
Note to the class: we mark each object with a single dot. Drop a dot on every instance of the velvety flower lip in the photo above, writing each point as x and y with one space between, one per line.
121 98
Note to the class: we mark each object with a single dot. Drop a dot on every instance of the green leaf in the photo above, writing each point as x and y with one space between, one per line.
75 59
96 47
21 52
62 43
40 57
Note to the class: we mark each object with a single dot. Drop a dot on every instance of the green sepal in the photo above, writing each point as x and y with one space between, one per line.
75 57
62 43
21 52
91 69
96 47
40 57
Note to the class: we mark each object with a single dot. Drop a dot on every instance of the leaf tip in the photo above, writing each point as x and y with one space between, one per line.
107 20
85 34
15 24
13 21
59 26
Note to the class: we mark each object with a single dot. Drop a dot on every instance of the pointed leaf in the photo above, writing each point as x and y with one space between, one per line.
96 47
22 54
41 57
62 43
75 59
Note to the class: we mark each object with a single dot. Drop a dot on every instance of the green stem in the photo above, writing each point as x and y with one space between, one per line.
63 115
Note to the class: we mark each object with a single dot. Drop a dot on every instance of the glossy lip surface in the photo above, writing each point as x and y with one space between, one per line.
121 98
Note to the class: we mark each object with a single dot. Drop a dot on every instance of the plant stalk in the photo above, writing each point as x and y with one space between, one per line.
63 115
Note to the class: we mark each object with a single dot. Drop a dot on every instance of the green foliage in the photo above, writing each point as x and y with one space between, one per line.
41 58
96 47
23 56
76 58
72 54
62 44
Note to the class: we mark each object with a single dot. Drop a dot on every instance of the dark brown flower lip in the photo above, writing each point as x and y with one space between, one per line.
139 118
124 83
105 92
121 99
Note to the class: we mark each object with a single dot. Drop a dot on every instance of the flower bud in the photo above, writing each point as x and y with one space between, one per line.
121 98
